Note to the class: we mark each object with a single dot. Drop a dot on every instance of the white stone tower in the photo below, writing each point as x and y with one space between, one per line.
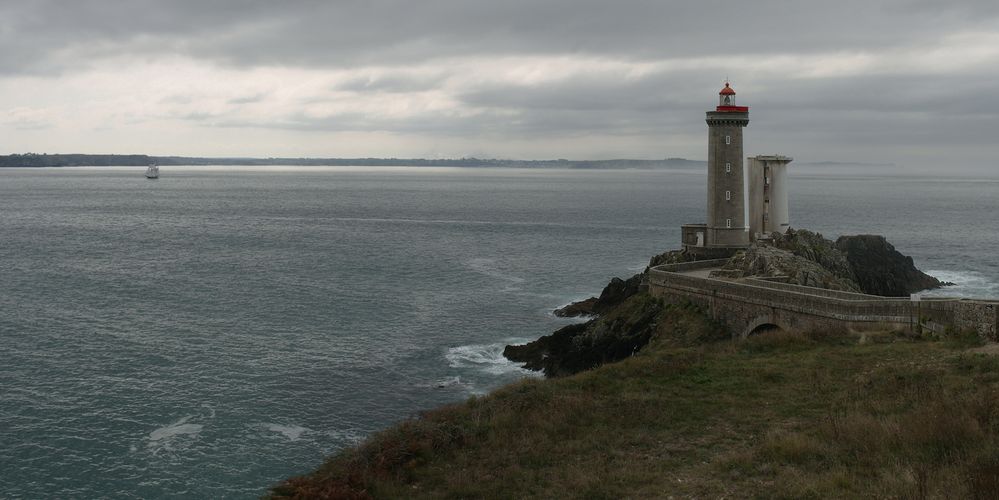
768 212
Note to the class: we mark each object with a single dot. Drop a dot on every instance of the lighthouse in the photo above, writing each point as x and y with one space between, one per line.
744 204
727 209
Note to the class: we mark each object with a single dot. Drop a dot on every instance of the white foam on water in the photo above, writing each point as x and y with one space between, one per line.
487 358
173 436
972 284
488 267
178 428
292 432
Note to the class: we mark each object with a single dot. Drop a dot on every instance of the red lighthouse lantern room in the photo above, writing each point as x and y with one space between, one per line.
726 101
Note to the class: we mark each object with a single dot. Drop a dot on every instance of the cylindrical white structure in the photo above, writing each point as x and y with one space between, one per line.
779 220
768 207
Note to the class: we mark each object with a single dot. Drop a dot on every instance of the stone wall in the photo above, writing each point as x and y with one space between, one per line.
979 316
744 306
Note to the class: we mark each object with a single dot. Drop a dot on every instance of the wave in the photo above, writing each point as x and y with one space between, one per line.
177 428
292 432
173 436
972 284
486 358
488 267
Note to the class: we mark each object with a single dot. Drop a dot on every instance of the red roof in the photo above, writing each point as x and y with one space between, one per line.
727 90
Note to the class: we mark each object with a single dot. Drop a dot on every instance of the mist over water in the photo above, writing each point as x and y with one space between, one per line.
217 330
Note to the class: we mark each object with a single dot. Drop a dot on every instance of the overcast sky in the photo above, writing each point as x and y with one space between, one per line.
912 82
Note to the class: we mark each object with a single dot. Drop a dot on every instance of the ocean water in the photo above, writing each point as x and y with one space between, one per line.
212 332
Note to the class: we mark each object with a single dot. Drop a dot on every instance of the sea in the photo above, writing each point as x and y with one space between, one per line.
217 330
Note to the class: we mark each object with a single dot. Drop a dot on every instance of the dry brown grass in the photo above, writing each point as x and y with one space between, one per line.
780 415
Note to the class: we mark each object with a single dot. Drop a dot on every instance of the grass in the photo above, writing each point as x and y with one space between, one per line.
781 415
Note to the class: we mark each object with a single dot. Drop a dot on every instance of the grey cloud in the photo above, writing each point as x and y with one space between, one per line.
393 83
248 99
44 35
652 93
822 119
879 114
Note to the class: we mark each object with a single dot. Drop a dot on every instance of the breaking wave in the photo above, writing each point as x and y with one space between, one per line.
966 284
488 267
174 436
292 432
486 358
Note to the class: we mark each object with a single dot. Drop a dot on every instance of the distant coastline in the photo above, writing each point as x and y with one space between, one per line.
95 160
113 160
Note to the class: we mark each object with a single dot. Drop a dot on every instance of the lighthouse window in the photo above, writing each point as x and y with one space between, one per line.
728 195
728 139
728 223
728 167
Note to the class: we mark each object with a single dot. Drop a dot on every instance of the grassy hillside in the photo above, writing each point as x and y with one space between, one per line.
781 415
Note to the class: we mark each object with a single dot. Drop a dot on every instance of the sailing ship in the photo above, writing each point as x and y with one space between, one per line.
153 171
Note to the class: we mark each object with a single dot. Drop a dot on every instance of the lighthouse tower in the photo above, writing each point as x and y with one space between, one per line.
737 216
727 209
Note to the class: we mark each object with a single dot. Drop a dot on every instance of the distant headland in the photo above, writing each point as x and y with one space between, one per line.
131 160
113 160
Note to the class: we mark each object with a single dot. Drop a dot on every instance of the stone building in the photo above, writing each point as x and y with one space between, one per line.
768 212
745 202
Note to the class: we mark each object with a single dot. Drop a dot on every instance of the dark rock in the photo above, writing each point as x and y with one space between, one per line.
577 309
818 249
617 291
618 334
882 270
614 293
772 262
671 257
535 354
575 348
866 263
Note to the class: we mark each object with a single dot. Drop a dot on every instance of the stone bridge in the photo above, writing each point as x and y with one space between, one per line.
752 304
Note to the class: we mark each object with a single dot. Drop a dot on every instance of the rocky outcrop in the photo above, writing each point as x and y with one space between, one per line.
628 318
882 270
772 262
614 293
616 335
575 348
818 249
866 264
671 257
618 290
548 352
578 309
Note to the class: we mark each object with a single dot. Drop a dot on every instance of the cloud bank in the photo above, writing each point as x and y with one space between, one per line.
903 81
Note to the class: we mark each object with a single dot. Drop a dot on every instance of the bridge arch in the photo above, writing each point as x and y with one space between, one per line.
761 324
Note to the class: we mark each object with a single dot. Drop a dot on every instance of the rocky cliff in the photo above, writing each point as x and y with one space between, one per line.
772 262
626 318
619 333
613 294
882 270
866 264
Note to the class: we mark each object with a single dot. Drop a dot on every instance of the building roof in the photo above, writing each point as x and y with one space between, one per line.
727 90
